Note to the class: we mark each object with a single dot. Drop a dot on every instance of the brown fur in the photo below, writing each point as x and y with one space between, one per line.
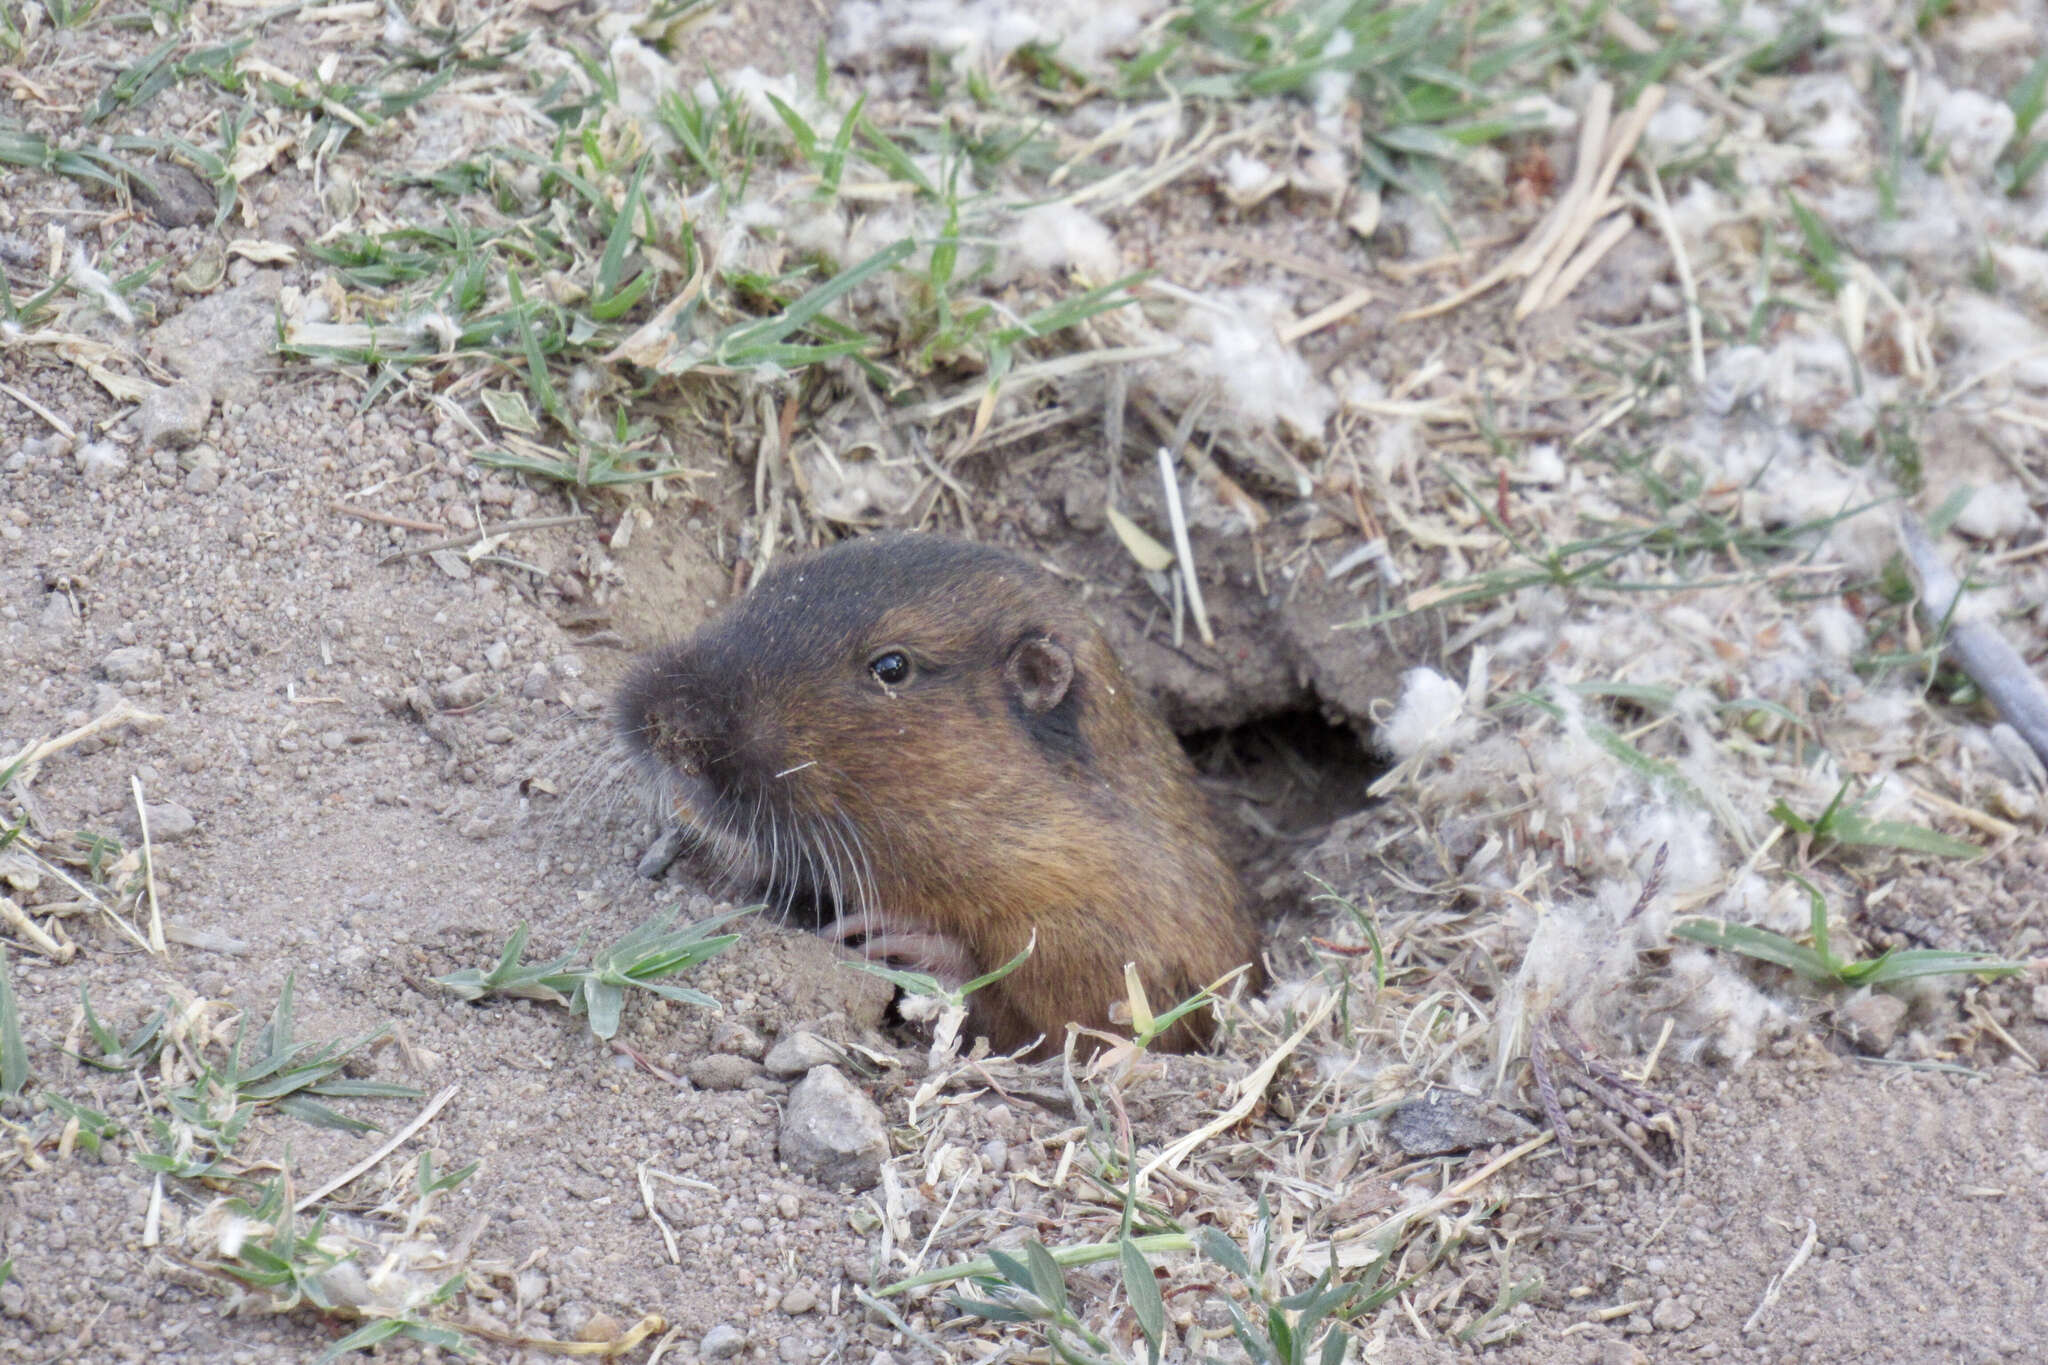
1017 783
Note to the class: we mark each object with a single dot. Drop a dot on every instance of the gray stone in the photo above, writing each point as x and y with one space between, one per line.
452 564
205 464
722 1342
798 1054
463 693
799 1301
1873 1022
58 615
135 663
832 1132
174 196
1672 1315
722 1071
224 340
1443 1121
170 823
173 417
735 1037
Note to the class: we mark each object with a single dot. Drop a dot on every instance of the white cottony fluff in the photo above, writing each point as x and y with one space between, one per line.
1084 35
1972 127
1430 714
1054 237
2002 341
1997 512
1236 349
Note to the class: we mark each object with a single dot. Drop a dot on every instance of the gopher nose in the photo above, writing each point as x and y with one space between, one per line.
670 742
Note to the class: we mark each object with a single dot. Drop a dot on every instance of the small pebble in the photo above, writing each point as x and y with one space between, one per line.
170 822
462 692
798 1053
174 416
1873 1022
722 1071
136 663
722 1342
601 1327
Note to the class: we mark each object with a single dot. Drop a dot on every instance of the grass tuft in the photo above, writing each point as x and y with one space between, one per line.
598 990
222 1086
1845 825
1818 963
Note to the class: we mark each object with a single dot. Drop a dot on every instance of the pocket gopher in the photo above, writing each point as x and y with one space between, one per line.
932 737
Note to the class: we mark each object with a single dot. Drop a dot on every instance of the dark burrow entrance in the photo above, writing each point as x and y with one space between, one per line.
1279 782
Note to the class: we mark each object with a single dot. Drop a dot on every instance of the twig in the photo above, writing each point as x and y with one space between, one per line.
1620 1134
385 518
1546 1092
1182 549
396 1140
156 918
63 428
1536 247
1325 316
1372 1239
1578 267
1681 265
1621 146
1057 367
668 1234
1779 1280
123 712
1997 1030
37 936
1992 663
503 528
1249 1090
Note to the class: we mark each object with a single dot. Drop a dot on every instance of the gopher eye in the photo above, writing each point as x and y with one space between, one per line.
892 668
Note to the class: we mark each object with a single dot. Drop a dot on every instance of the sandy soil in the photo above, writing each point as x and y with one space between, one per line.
1823 1207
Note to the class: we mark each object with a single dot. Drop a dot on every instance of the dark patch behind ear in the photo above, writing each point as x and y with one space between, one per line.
1045 692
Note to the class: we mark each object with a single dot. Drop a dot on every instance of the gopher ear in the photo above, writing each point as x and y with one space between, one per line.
1038 673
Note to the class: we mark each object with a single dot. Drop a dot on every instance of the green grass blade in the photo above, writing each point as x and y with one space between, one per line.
1761 944
13 1050
1917 962
1141 1287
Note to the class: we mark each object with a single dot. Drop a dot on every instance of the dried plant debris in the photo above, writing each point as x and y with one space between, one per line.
1628 359
48 876
1692 690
